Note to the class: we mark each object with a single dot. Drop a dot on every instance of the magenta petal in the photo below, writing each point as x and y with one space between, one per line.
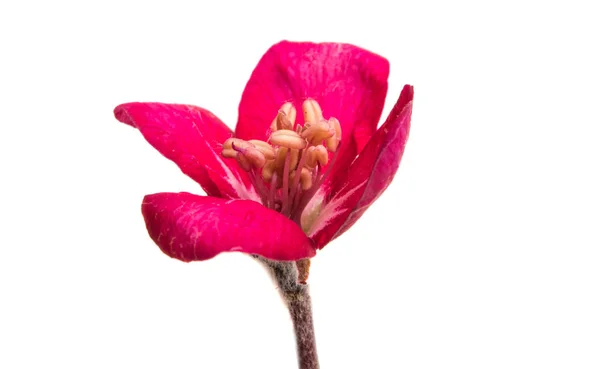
370 174
190 227
192 137
348 82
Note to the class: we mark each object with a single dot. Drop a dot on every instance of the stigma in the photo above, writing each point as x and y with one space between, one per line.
288 169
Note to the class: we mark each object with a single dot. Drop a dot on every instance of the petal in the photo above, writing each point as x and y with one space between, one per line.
348 82
370 174
190 227
192 138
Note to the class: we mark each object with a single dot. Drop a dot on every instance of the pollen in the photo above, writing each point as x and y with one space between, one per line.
288 169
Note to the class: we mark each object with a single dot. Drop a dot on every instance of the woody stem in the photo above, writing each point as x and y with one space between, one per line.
297 298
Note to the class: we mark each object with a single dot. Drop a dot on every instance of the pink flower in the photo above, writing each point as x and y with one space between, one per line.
284 184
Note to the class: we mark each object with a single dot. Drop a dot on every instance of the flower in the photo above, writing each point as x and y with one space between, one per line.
284 184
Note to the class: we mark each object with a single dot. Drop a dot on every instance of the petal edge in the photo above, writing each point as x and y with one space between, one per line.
370 174
191 137
191 228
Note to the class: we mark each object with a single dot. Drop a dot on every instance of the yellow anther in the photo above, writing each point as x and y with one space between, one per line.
240 144
312 111
290 111
305 178
243 162
281 156
333 141
285 119
333 122
266 149
246 153
254 156
229 153
268 170
287 138
316 155
318 132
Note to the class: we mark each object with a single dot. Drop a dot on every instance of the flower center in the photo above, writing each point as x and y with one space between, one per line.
289 168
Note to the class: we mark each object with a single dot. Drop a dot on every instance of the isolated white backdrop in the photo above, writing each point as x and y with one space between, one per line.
483 253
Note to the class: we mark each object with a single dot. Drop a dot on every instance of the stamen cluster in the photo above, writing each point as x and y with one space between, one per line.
288 169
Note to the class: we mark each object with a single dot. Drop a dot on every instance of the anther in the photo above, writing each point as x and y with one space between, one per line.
266 149
317 155
333 141
285 119
287 138
312 112
255 157
251 156
279 161
305 178
268 170
243 162
318 132
229 151
239 143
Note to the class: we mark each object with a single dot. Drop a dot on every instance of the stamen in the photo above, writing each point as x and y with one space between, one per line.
312 112
268 170
318 132
280 159
307 196
250 154
285 189
243 162
228 144
303 160
293 162
229 151
287 138
261 187
333 141
266 149
305 178
318 155
285 119
272 191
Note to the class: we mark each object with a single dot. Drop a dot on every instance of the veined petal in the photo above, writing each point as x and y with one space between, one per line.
190 227
348 82
370 174
192 138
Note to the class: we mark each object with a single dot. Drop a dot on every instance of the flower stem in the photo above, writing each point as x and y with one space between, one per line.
297 298
300 308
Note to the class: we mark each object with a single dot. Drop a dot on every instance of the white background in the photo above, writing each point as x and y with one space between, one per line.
483 253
